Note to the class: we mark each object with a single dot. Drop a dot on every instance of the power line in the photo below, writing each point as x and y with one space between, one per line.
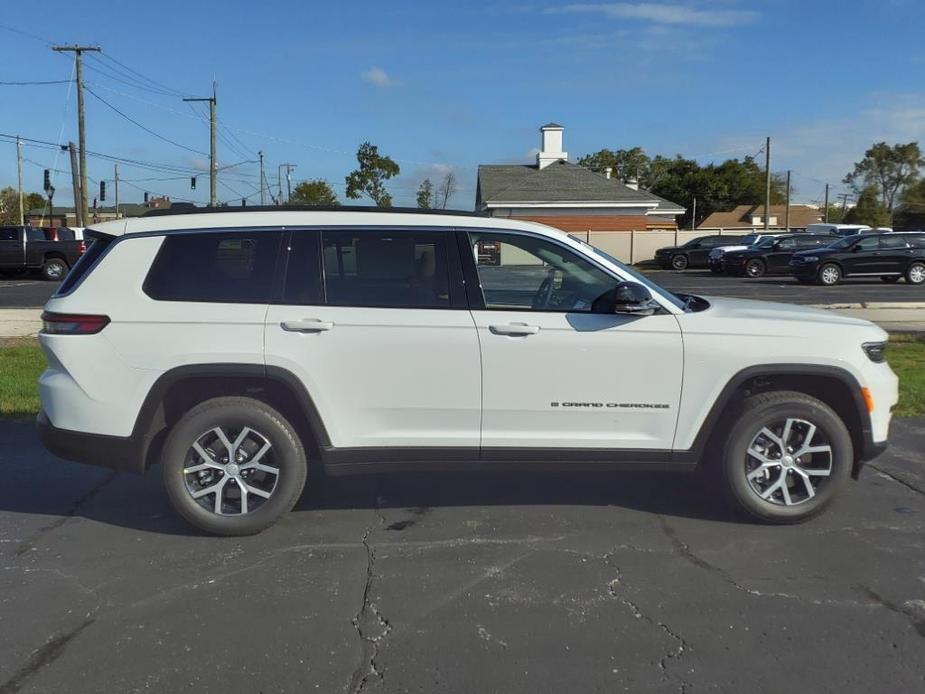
143 77
29 84
145 128
124 77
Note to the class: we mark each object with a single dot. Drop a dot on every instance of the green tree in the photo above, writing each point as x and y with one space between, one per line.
915 194
836 214
426 194
370 176
625 164
314 192
870 210
9 204
888 170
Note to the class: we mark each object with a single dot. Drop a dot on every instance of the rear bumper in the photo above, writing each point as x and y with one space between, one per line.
116 452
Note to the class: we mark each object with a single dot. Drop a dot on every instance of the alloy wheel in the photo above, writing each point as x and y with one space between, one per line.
917 274
231 473
788 461
755 268
830 274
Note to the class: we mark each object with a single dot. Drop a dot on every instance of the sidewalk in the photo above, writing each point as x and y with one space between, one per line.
893 317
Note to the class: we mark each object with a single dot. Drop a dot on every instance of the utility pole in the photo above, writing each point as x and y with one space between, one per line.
844 203
80 216
263 200
694 216
787 212
81 135
279 176
767 183
22 216
213 162
825 214
116 171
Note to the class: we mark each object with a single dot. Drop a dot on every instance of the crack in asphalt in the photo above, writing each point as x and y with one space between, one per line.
30 542
370 625
682 645
898 480
917 622
42 657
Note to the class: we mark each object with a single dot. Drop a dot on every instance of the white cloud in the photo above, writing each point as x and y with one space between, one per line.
662 13
378 77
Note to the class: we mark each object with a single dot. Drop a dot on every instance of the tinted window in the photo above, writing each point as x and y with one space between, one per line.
786 244
303 270
917 240
234 267
535 274
714 241
65 234
406 269
810 241
33 234
892 242
871 243
85 263
9 233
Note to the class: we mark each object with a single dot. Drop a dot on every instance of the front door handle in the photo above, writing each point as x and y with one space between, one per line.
514 329
307 325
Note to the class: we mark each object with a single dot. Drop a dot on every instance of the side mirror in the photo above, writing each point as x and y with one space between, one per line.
628 298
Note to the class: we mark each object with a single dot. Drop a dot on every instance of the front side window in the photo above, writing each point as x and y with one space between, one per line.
386 268
871 243
786 244
533 274
227 267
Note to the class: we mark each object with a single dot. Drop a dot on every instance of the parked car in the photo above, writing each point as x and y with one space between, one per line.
837 229
890 256
28 248
692 254
772 255
238 348
715 257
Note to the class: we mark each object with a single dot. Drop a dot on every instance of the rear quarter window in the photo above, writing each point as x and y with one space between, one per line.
86 263
227 267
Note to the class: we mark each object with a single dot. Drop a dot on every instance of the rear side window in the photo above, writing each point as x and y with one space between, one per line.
917 241
227 267
386 268
86 262
893 242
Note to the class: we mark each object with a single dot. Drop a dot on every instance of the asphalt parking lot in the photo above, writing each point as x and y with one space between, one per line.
453 583
25 291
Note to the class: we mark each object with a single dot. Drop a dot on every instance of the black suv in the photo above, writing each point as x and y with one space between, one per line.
889 256
693 254
772 256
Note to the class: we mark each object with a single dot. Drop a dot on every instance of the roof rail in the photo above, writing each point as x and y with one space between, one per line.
164 212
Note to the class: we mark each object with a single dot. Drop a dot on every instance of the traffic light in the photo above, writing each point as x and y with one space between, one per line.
47 180
192 183
146 197
102 191
243 202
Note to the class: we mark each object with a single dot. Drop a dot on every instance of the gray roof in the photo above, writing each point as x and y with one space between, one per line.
561 181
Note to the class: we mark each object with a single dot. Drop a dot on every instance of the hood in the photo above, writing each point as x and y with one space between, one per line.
667 249
747 309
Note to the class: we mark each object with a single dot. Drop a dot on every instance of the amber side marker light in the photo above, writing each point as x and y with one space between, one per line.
868 399
72 323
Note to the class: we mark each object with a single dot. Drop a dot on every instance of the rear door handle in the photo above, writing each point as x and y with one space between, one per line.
514 329
306 325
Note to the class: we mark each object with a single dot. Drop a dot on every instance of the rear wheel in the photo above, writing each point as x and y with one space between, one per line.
755 268
890 279
233 466
54 269
679 262
786 457
829 274
915 273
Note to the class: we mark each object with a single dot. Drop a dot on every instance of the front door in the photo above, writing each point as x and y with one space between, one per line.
555 375
374 323
863 257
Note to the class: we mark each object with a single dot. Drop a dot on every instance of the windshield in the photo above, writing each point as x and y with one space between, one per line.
635 274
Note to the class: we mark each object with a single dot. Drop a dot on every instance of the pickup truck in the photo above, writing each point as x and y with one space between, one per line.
28 248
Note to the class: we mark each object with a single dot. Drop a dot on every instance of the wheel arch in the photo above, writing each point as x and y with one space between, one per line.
178 390
834 386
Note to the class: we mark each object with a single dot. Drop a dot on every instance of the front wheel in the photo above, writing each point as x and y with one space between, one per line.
829 275
679 262
915 274
755 268
786 458
54 270
233 466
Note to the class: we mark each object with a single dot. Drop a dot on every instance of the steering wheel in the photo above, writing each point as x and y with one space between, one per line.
544 293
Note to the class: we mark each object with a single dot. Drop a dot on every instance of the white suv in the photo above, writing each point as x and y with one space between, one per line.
241 348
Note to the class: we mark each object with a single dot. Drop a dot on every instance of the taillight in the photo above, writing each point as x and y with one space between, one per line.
82 247
72 323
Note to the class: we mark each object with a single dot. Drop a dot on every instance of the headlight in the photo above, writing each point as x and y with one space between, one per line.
875 351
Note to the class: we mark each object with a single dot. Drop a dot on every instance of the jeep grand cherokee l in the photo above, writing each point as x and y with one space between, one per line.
890 256
239 349
772 255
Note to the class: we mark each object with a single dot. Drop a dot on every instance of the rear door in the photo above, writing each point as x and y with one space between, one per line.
12 254
374 322
555 375
894 254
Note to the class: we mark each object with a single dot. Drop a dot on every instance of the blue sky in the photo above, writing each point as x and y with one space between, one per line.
452 85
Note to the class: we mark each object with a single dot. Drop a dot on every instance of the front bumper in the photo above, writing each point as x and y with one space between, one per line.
116 452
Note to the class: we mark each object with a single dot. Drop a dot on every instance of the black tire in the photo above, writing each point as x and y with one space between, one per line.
54 269
890 279
679 262
755 268
829 275
764 410
915 273
233 414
